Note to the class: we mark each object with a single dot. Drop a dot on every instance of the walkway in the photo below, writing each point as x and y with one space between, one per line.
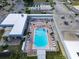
41 54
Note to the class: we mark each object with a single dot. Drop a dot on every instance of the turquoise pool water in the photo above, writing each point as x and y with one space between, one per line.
40 37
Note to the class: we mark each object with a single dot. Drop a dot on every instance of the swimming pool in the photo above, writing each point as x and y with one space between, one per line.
40 37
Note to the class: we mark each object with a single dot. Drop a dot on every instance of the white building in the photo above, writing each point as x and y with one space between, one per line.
14 25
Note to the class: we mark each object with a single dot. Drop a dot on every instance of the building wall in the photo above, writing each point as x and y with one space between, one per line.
60 44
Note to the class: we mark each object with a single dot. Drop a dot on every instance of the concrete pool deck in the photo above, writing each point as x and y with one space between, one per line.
52 44
51 41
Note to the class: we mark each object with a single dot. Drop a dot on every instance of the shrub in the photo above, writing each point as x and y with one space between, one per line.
27 11
4 47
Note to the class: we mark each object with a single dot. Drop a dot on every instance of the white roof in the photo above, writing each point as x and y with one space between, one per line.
17 21
45 7
77 7
72 48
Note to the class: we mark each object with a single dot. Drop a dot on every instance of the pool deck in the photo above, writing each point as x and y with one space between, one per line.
36 26
52 44
50 39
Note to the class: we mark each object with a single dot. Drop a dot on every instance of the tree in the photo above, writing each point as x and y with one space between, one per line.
47 0
54 3
27 11
76 14
4 46
28 1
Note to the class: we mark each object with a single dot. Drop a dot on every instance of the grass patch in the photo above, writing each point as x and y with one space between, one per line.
54 55
16 53
13 48
34 57
20 55
1 33
75 3
4 57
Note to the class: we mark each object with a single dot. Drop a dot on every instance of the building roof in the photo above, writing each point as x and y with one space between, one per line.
77 7
17 21
72 48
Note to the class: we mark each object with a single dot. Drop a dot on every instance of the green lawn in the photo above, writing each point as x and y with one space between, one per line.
54 55
20 55
1 33
32 57
75 2
17 53
12 48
